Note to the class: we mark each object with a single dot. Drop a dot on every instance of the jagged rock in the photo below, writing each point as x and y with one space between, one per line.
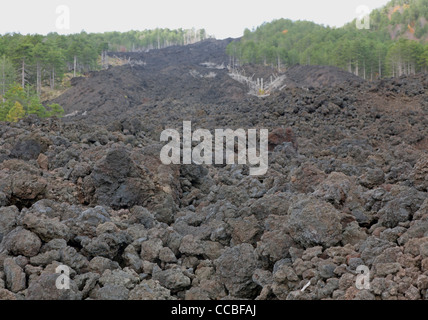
54 244
166 255
190 245
15 276
422 213
150 249
275 243
44 288
112 292
244 230
279 136
22 242
262 277
75 260
373 247
27 187
6 295
143 216
212 250
88 220
284 273
86 283
197 293
117 181
47 229
150 290
393 234
412 293
402 207
172 279
364 295
306 178
106 245
335 189
28 149
8 220
43 161
420 174
326 271
101 264
373 178
235 267
313 222
43 259
423 249
353 234
132 258
275 204
126 278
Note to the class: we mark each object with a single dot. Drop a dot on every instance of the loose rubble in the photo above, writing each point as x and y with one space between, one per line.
350 188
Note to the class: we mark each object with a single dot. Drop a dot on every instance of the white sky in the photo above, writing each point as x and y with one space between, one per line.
221 18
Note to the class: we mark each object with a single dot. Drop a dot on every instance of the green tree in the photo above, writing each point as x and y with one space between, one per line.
16 98
55 62
35 107
367 53
55 110
21 53
16 112
39 54
7 75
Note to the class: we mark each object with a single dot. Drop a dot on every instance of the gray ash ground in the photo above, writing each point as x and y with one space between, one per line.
90 191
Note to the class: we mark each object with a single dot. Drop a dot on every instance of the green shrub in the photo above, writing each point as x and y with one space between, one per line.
18 103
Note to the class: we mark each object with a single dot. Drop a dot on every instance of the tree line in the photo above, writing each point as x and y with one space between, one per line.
394 45
31 62
37 60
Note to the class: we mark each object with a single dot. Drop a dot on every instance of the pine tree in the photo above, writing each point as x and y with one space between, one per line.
16 113
7 75
35 107
55 110
21 53
39 54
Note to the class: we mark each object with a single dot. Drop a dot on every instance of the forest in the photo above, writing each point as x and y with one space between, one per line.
394 44
35 59
31 62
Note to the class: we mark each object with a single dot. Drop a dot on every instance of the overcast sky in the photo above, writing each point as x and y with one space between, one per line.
221 18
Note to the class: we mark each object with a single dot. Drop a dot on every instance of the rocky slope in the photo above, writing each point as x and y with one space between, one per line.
89 191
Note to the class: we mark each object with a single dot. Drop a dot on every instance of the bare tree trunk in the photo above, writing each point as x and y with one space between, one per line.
38 79
53 79
103 59
400 66
23 74
75 66
364 72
